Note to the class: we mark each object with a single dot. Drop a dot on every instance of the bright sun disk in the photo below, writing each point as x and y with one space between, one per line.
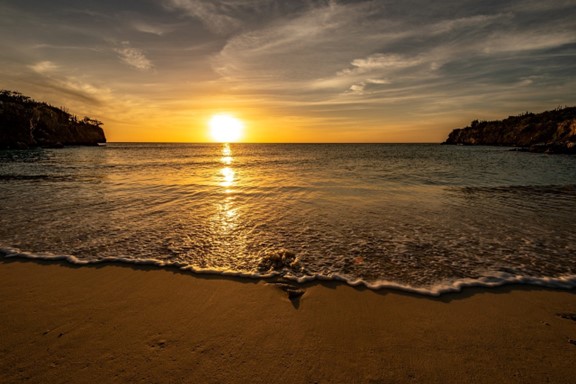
225 128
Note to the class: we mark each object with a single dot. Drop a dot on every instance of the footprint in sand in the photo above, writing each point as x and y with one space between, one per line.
568 316
158 345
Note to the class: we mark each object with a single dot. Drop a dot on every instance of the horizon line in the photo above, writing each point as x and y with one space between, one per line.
271 142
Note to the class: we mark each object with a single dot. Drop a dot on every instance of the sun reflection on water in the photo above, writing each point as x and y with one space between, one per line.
227 174
226 151
228 177
226 223
226 155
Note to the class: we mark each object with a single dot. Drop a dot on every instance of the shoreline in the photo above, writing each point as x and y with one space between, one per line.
129 323
566 282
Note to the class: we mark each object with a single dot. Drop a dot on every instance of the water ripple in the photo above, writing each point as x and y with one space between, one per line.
426 218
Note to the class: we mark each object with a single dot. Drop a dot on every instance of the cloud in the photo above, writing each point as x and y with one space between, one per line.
81 94
227 17
78 88
475 21
379 62
158 30
366 86
527 41
219 16
371 37
304 46
133 57
395 59
43 67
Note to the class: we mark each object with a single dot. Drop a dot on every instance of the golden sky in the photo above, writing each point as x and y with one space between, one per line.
292 71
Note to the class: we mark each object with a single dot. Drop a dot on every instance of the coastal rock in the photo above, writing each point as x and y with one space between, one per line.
279 261
25 123
546 132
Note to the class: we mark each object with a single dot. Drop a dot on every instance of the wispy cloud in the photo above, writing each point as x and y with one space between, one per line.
134 57
379 62
226 17
48 75
528 41
219 16
154 29
305 46
43 67
367 50
79 93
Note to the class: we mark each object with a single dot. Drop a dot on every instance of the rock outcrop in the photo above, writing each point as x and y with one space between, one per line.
547 132
25 123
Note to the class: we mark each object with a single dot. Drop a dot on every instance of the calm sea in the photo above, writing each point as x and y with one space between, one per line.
425 218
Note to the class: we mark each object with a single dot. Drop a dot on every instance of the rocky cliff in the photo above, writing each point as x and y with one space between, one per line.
25 123
550 132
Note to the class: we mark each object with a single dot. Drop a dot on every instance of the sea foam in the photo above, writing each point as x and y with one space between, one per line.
496 279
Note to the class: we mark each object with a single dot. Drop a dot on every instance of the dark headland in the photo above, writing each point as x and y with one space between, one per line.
26 123
546 132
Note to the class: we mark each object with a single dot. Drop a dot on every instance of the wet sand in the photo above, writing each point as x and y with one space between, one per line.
119 324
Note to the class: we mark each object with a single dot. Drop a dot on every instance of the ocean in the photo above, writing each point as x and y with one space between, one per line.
423 218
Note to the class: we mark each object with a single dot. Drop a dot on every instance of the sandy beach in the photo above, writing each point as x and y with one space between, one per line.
61 323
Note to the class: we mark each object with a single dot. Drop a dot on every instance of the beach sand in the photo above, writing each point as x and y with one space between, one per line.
61 323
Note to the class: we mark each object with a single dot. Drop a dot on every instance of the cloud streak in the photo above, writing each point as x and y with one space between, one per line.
43 67
133 57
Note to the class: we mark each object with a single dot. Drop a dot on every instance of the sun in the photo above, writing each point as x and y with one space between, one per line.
225 128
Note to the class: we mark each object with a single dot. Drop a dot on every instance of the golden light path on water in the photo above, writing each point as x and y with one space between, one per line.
227 173
227 217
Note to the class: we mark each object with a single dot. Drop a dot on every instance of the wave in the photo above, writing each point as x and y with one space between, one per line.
560 189
490 280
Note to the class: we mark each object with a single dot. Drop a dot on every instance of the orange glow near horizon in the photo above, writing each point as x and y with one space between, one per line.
262 126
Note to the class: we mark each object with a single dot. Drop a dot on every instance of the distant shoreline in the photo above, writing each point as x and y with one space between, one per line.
551 132
26 124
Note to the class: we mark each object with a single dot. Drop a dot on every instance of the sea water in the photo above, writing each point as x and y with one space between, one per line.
424 218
